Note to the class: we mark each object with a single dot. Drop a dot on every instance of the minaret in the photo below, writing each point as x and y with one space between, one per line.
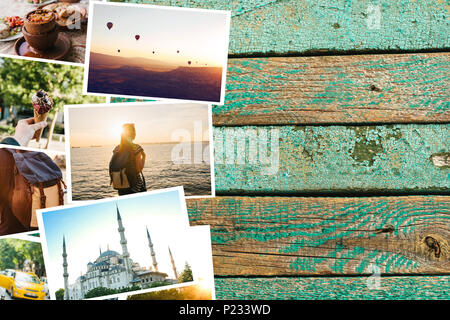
65 274
123 243
173 265
152 252
100 248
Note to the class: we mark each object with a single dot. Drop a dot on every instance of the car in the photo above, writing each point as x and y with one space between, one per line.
45 282
6 278
24 285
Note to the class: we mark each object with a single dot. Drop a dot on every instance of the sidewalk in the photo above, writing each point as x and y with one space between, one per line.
53 145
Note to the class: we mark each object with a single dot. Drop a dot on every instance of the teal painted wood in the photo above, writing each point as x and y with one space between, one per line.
280 236
298 159
291 26
390 88
339 288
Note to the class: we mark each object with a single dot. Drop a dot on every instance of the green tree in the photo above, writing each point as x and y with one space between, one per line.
186 275
7 255
128 289
14 253
60 294
98 292
22 78
158 284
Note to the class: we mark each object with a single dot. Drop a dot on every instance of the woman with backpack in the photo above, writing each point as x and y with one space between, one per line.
127 163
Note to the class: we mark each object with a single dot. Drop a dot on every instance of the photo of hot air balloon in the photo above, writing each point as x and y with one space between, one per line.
165 52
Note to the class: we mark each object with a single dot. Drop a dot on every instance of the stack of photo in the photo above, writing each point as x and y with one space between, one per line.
93 193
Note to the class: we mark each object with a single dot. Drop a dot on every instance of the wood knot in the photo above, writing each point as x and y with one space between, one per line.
433 245
386 229
374 88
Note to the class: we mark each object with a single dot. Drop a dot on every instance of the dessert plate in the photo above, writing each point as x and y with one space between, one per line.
57 52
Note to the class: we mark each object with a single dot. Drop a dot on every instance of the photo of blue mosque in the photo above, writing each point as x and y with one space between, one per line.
114 270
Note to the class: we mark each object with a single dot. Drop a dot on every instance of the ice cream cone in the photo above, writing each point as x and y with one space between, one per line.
39 118
42 104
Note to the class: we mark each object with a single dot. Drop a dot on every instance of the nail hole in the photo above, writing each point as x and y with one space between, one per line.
374 88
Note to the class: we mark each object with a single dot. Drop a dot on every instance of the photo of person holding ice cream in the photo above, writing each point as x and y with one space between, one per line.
32 98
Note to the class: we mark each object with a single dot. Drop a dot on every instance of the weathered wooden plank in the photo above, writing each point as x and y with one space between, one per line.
276 236
337 89
303 26
329 159
340 288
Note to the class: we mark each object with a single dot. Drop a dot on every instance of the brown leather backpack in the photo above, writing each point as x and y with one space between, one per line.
29 181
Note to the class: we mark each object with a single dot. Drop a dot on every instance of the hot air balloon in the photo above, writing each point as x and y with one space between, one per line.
189 62
153 52
178 51
118 50
109 25
137 37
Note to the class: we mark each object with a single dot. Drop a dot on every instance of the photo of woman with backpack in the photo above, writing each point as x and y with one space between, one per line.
168 143
127 163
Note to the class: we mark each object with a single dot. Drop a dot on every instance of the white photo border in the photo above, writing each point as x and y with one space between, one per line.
124 105
148 6
89 203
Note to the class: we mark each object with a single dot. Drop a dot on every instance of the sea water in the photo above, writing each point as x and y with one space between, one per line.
90 171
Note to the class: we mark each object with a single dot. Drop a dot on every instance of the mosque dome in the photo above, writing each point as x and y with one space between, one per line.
109 253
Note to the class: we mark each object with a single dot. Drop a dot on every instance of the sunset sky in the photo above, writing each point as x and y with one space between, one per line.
90 227
154 123
199 36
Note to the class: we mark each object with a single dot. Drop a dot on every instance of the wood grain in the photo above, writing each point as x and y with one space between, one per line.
278 27
328 159
388 88
278 236
337 288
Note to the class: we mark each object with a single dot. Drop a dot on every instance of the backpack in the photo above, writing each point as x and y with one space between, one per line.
42 177
122 169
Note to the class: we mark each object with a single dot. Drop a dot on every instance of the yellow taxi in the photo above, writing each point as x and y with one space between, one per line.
25 285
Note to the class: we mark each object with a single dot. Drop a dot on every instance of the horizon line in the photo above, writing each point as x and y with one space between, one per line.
167 64
107 145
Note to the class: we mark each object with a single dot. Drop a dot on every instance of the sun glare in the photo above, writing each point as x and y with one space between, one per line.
116 131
